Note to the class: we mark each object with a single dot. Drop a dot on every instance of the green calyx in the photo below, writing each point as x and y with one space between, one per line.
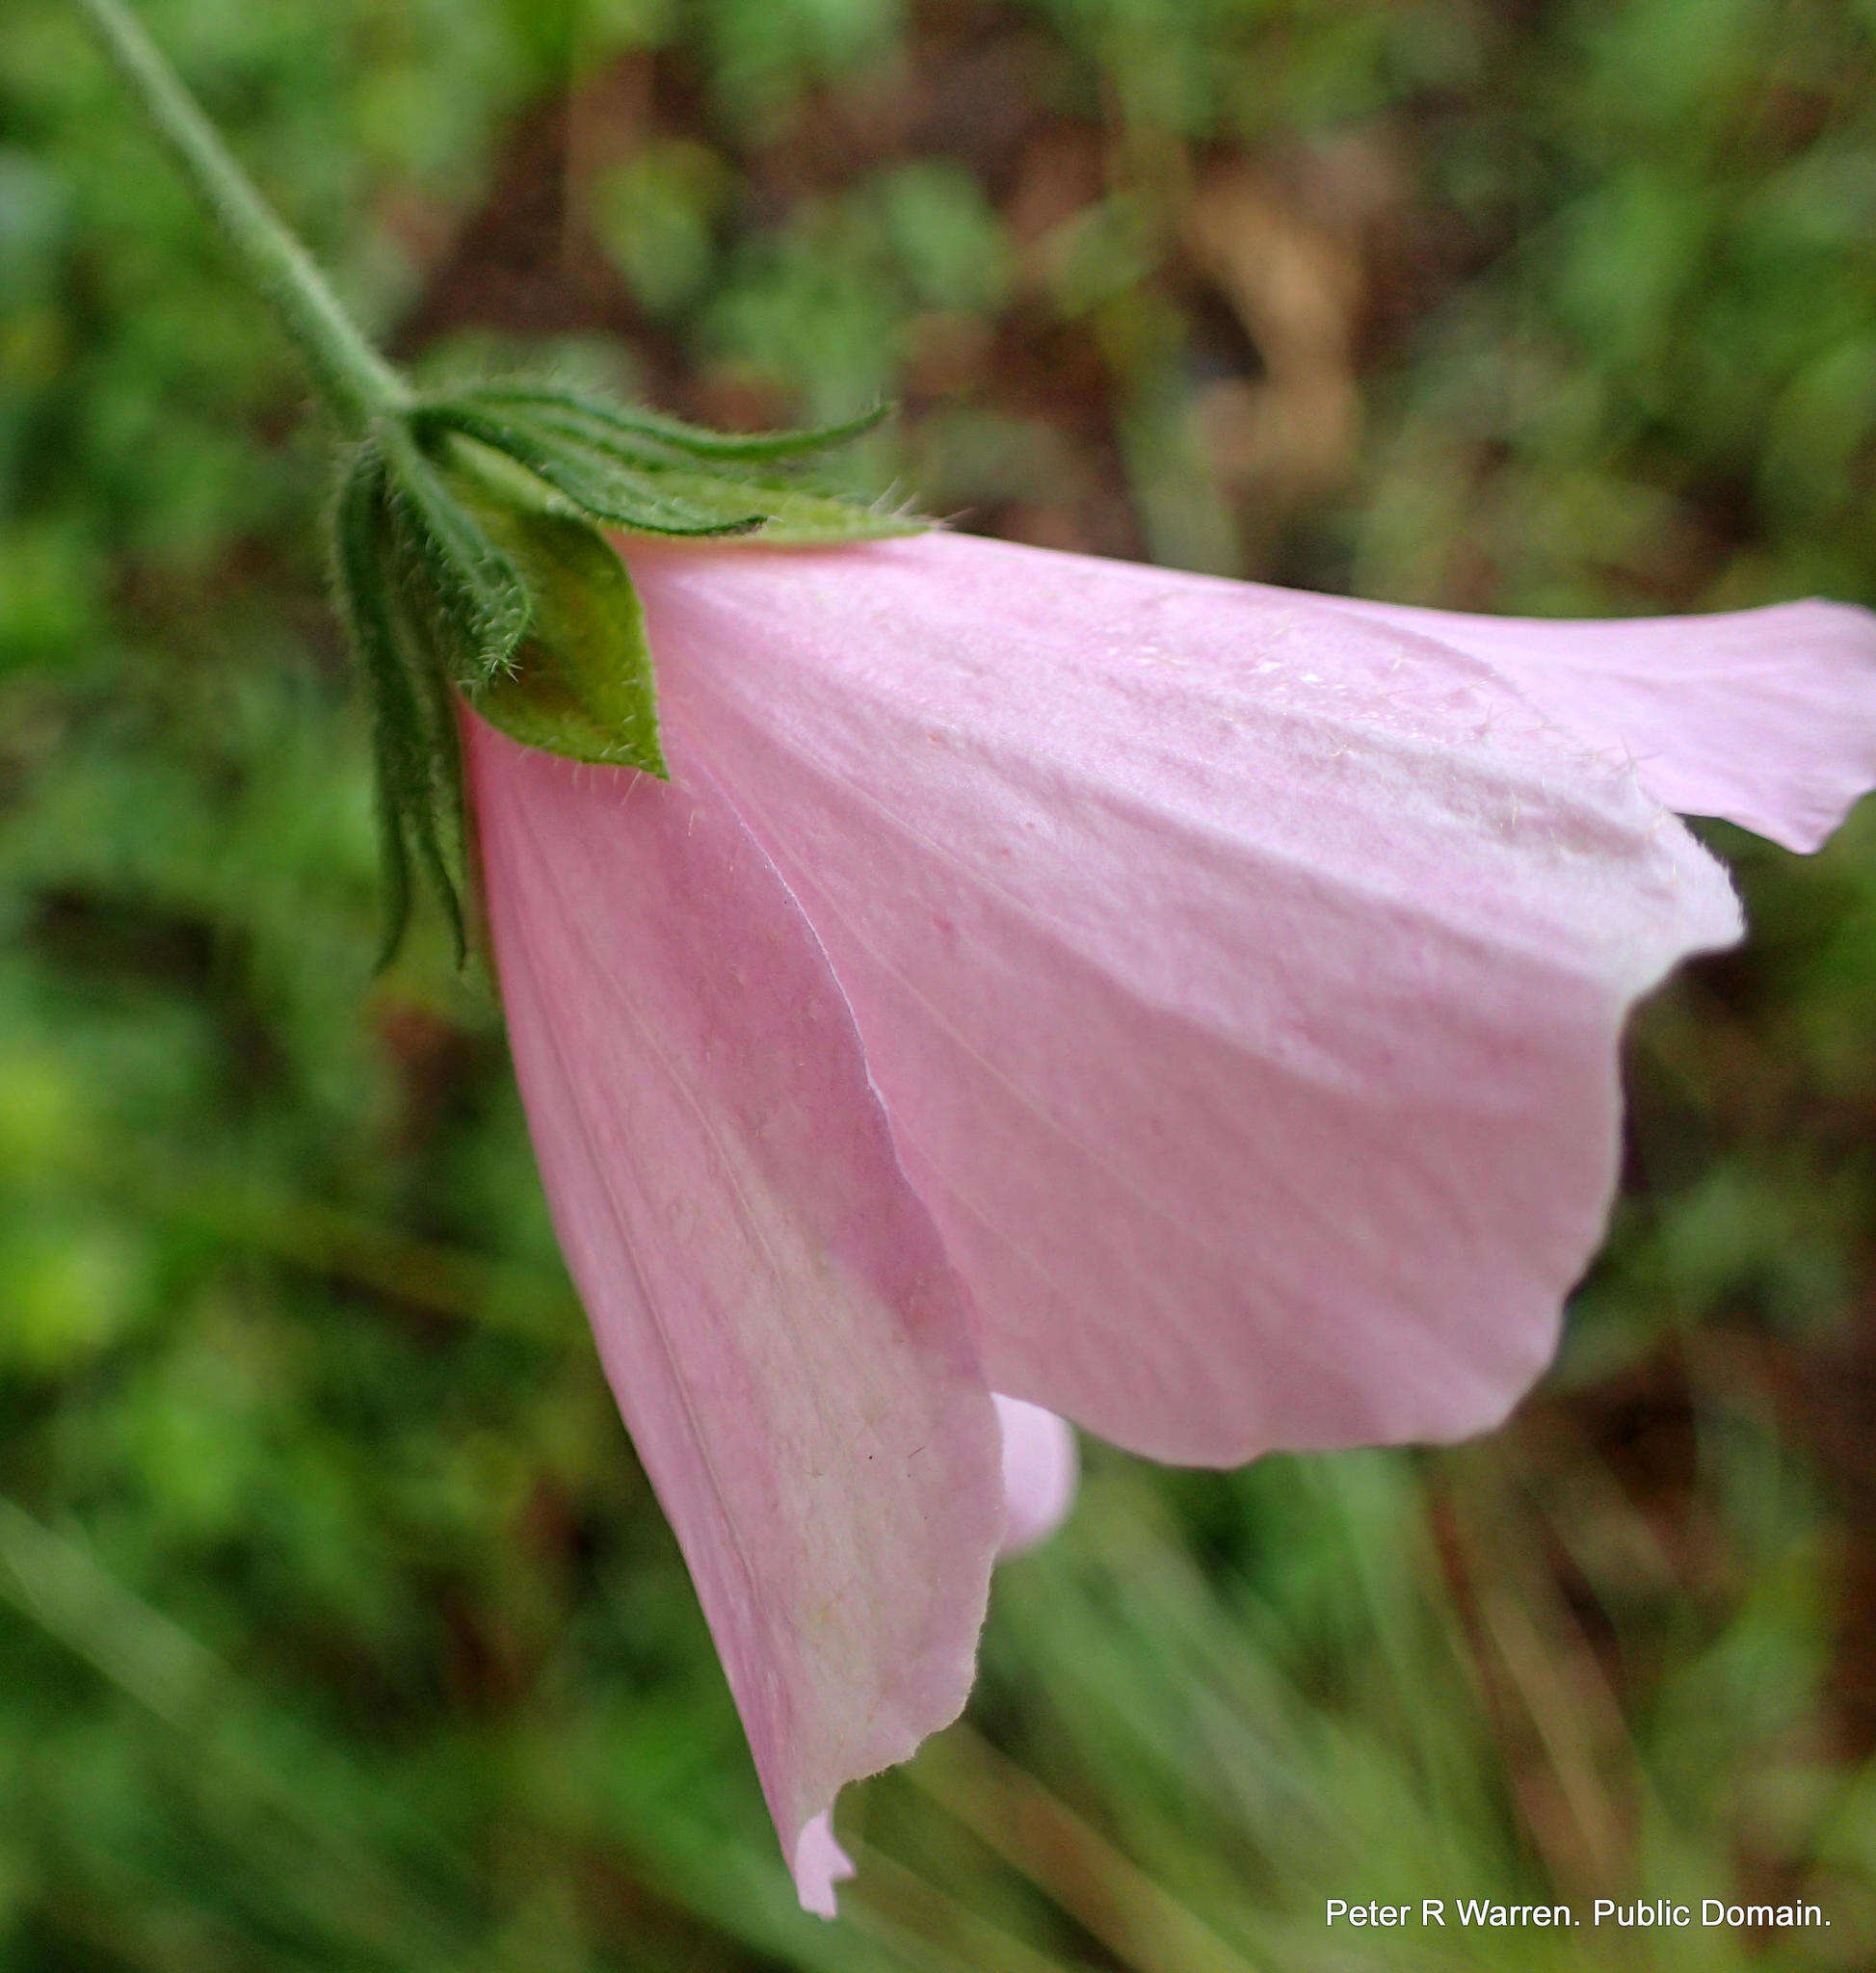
470 558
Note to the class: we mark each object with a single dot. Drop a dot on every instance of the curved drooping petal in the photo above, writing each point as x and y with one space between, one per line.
1764 717
1041 1468
772 1302
1244 980
820 1863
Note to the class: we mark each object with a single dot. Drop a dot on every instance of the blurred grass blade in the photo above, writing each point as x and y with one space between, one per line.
273 1823
1134 1917
60 1586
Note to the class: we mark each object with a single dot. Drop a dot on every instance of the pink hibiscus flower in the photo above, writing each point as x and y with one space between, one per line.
1184 1007
1043 988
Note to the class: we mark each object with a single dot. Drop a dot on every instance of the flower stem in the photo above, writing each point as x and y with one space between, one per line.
356 382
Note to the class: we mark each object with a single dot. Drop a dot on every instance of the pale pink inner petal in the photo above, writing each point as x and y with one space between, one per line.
772 1304
1764 717
1244 980
1041 1468
820 1863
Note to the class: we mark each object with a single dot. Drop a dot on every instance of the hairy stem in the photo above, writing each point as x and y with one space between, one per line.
356 382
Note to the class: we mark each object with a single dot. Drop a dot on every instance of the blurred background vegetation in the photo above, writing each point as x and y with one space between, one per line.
338 1627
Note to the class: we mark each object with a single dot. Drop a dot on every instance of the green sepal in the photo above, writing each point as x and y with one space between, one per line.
592 480
793 516
414 744
632 424
581 683
469 557
610 473
649 474
479 594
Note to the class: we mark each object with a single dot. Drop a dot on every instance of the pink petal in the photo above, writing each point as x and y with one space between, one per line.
1041 1468
1244 980
820 1863
773 1304
1765 717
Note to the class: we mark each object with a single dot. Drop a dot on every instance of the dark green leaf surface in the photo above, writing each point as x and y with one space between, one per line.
595 480
633 427
581 684
419 789
616 464
793 516
482 597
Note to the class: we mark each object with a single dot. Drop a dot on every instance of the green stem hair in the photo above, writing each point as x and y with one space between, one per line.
356 382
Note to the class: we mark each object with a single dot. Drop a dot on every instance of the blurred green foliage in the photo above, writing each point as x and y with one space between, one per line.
337 1628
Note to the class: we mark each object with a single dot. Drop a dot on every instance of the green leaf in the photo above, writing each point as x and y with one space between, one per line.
413 732
793 516
595 480
483 600
634 488
368 631
633 422
581 683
